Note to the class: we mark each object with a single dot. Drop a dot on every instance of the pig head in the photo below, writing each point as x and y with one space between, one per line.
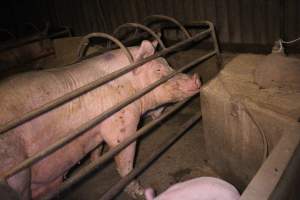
177 88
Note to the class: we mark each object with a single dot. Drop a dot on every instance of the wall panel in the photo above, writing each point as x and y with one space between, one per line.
237 21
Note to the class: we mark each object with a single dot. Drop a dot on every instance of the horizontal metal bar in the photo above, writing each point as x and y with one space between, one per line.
114 151
116 189
84 89
86 126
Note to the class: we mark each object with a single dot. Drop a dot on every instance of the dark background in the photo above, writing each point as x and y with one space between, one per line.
251 24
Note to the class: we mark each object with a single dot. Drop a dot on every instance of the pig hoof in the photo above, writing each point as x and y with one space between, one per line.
135 190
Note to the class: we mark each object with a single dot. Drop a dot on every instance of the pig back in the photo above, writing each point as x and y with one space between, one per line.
25 92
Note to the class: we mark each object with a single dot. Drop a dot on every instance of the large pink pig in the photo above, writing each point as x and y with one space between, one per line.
25 92
203 188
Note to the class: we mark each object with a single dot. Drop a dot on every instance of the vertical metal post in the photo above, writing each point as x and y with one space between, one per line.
216 44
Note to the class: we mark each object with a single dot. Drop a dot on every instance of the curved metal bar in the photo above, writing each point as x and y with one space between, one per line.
154 18
83 46
140 26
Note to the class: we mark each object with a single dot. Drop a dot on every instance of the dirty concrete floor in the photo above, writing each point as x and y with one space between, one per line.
186 159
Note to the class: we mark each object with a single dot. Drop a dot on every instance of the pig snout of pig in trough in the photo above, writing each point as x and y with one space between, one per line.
203 188
25 92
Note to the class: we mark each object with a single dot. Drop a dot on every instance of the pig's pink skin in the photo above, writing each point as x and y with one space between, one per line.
25 92
204 188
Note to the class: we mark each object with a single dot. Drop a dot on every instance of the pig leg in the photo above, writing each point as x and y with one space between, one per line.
39 190
12 153
114 131
95 154
21 183
156 113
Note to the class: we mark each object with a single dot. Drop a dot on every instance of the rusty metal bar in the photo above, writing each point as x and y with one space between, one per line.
153 18
140 26
116 189
84 43
114 151
82 90
86 126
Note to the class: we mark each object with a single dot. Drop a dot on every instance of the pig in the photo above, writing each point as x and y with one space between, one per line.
25 92
29 52
203 188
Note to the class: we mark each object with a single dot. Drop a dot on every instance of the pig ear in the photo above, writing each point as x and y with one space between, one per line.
145 50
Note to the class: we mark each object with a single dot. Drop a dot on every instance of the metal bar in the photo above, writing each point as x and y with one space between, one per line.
86 126
154 18
82 90
215 42
114 151
42 37
84 43
140 26
112 192
22 43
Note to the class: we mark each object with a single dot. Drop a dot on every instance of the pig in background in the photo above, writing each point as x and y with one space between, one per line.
203 188
25 92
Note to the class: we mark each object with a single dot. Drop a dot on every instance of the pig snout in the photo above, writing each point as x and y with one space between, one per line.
190 83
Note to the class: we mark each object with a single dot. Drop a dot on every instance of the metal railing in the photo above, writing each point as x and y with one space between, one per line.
97 83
